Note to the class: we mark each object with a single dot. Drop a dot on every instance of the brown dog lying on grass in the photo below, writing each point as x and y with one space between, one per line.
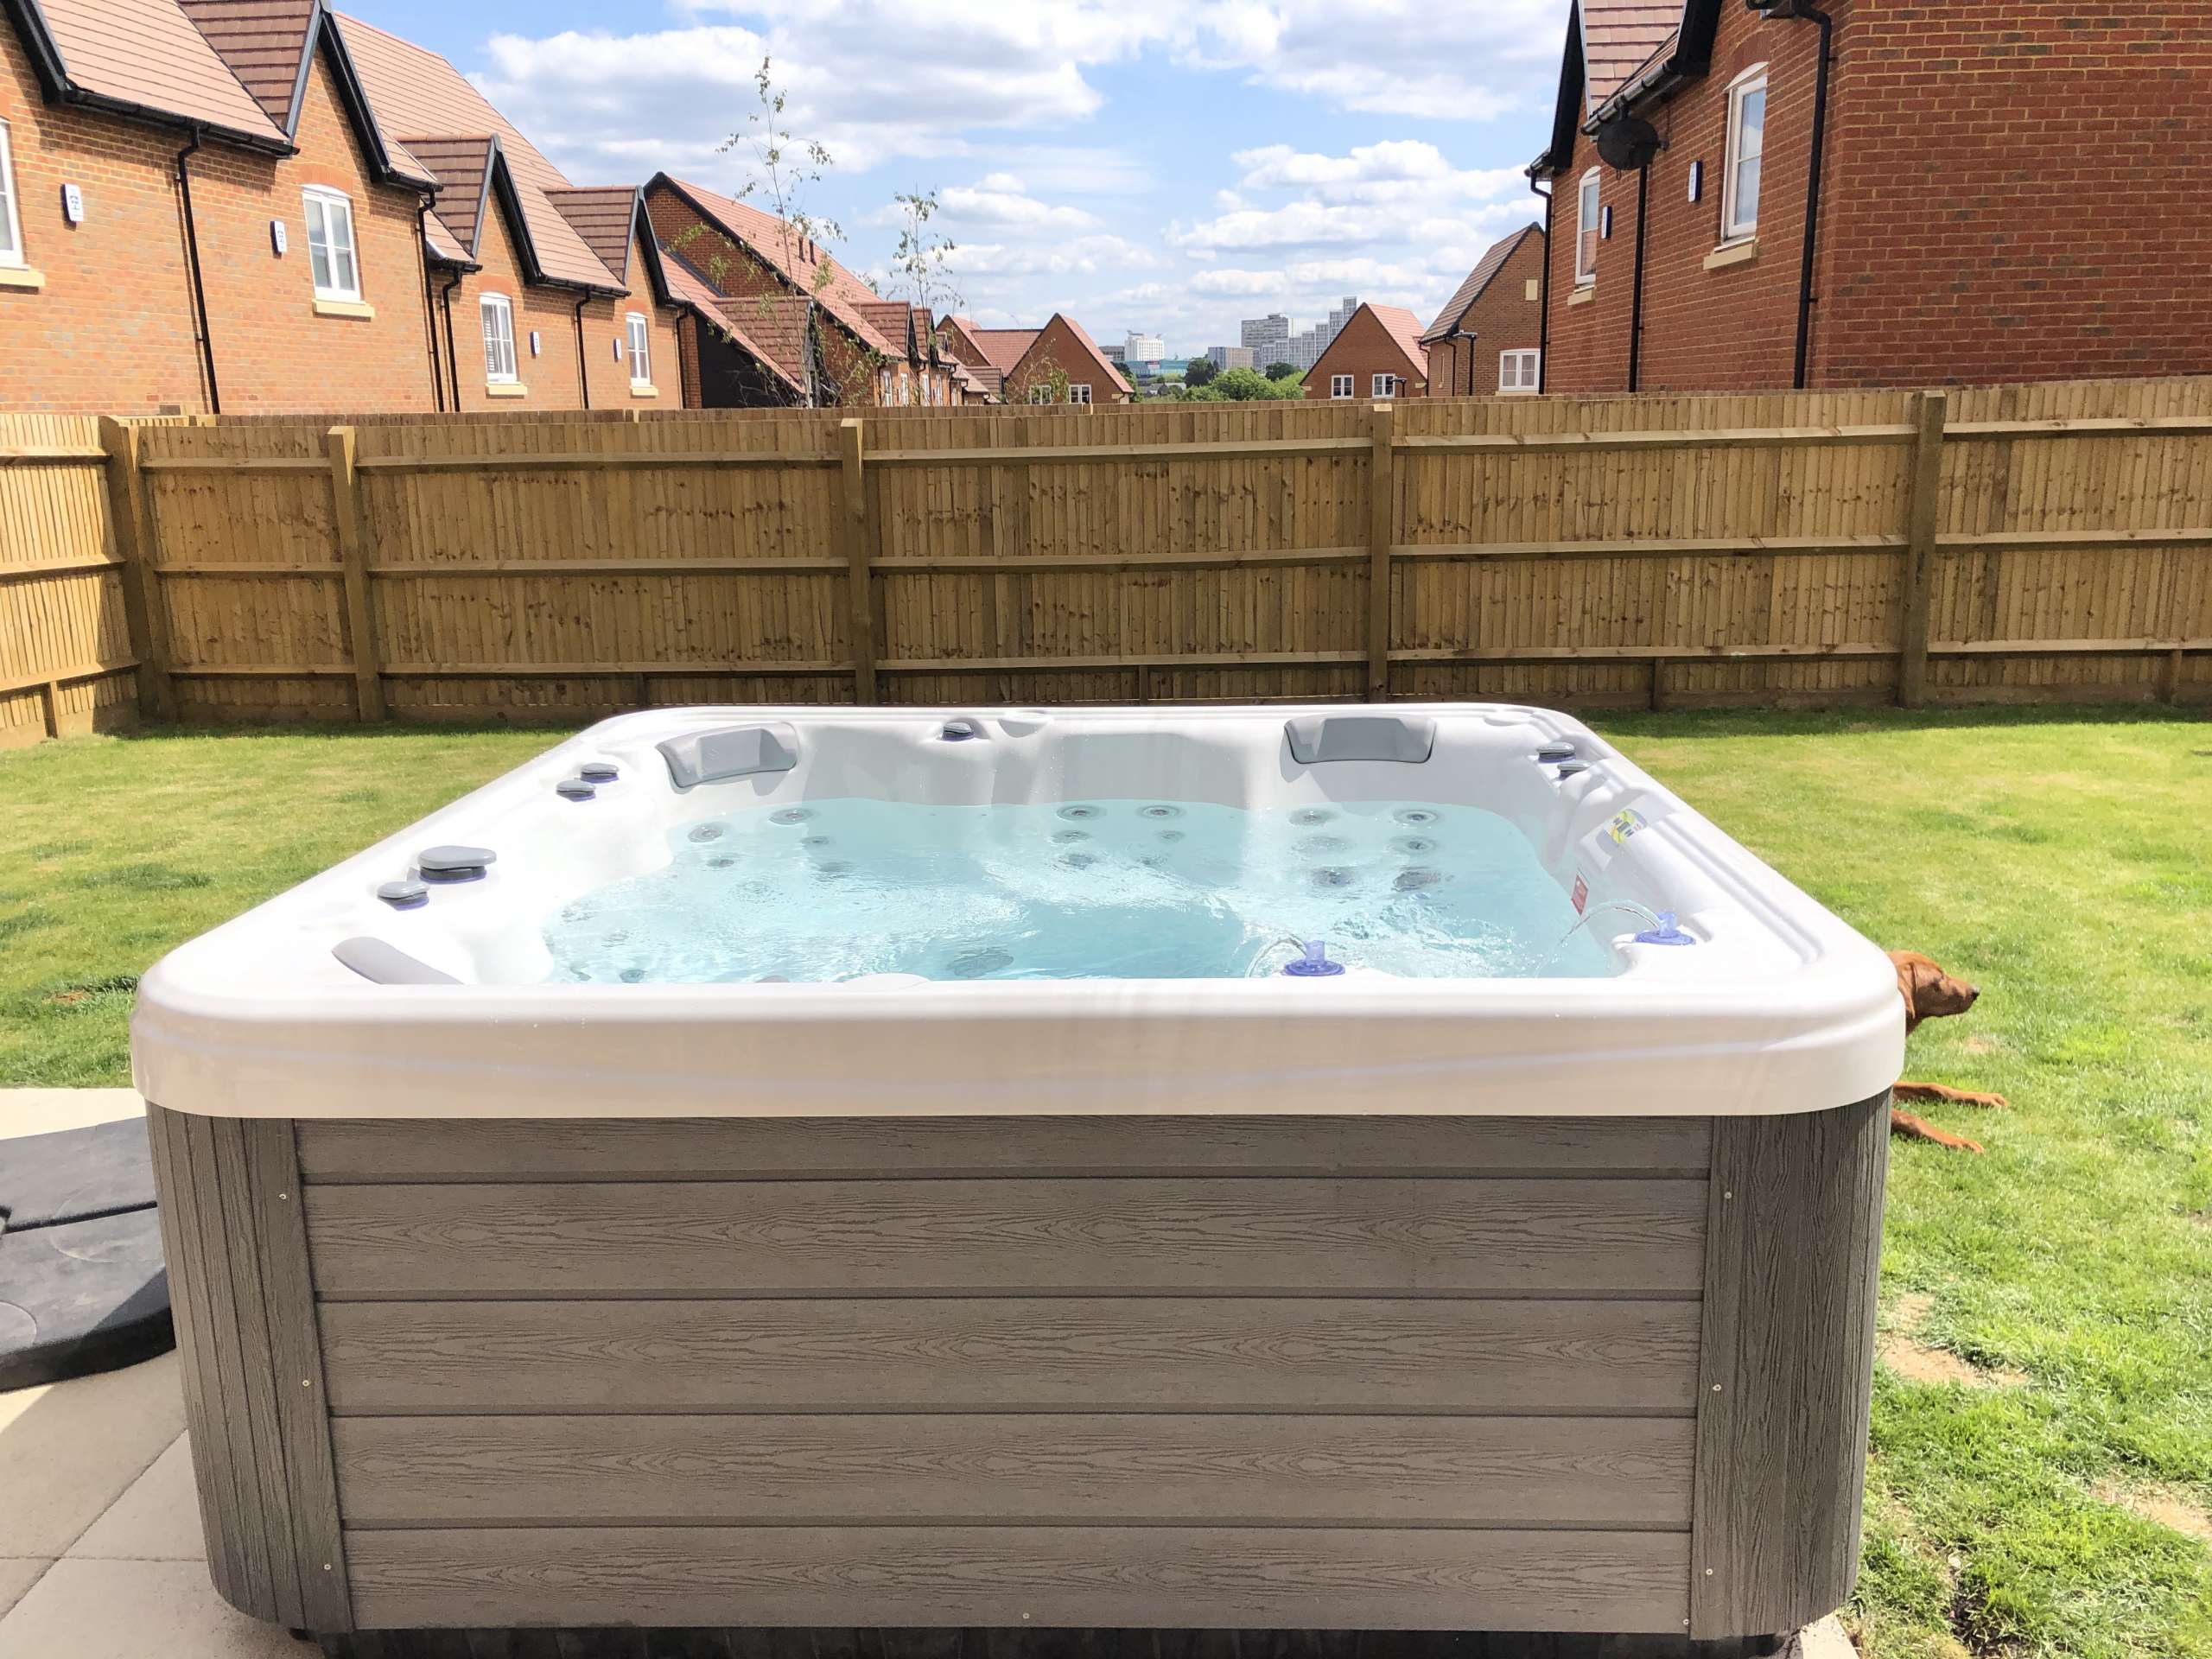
1931 994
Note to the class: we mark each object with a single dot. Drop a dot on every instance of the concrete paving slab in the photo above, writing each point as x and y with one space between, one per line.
17 1576
132 1609
42 1111
1826 1640
68 1450
157 1520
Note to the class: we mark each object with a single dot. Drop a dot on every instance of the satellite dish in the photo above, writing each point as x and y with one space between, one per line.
1628 143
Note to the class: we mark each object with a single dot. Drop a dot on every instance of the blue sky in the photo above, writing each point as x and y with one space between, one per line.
1168 164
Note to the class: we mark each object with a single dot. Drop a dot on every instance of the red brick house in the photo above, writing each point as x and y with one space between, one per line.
1488 336
237 168
1377 353
1864 192
821 329
1057 363
978 378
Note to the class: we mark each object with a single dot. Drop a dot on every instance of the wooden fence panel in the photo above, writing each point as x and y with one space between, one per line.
1659 550
64 646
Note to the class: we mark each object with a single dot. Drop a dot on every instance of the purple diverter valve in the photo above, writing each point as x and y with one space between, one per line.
1665 934
1315 963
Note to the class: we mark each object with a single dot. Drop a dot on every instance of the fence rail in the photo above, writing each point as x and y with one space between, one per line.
2051 541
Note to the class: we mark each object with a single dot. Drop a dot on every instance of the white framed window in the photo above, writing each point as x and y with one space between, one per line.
11 223
641 350
1384 385
330 244
1739 175
1586 229
1519 371
1040 394
499 314
1340 385
1079 393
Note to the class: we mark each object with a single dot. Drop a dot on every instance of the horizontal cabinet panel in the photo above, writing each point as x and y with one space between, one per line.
706 1237
983 1353
736 1148
1037 1466
1178 1577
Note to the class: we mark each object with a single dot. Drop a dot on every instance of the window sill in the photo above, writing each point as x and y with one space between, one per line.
505 389
1583 294
643 389
20 277
1733 253
344 308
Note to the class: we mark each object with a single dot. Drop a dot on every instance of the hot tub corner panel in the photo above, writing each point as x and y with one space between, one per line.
1505 1373
234 1228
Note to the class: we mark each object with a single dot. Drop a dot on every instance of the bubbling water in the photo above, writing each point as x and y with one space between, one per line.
1088 890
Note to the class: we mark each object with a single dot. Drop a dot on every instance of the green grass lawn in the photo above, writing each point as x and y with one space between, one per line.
2038 1501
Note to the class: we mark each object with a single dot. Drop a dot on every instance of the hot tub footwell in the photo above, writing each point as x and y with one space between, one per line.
729 1377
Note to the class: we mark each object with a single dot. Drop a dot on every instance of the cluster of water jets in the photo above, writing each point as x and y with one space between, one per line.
1313 959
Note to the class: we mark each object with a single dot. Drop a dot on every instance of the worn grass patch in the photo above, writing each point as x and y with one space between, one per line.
2063 860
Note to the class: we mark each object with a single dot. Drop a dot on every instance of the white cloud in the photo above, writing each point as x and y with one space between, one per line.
1403 169
965 205
1084 255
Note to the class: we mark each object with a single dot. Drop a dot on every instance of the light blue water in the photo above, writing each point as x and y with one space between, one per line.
1091 890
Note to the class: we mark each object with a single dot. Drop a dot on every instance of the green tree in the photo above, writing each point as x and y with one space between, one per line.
1282 371
1198 371
1249 385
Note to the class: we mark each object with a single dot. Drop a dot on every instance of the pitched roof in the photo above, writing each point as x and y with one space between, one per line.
959 332
462 168
264 43
1621 36
893 320
143 57
1112 373
803 264
1003 347
445 247
1402 327
687 287
1478 280
605 216
412 90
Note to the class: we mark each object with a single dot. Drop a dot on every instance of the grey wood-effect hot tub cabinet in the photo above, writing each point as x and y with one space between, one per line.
1356 1373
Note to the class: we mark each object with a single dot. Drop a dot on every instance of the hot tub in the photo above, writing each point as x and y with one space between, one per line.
789 1166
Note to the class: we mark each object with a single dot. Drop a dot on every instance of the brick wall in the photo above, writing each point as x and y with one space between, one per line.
607 320
1508 317
1057 349
1363 350
549 379
113 330
273 353
2011 192
2017 192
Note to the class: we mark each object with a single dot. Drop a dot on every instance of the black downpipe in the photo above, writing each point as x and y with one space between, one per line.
430 306
1544 292
583 368
1804 10
1635 282
199 287
453 358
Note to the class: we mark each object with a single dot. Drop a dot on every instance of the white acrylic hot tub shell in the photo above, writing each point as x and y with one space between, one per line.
1780 1008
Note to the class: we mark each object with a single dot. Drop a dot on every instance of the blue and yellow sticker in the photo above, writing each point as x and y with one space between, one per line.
1624 824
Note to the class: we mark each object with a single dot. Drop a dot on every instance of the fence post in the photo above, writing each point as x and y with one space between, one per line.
858 527
50 706
132 526
1381 527
350 517
1921 505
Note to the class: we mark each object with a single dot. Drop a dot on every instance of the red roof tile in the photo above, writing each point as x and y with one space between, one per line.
413 90
1091 346
462 168
605 216
262 42
1003 347
147 54
804 264
1621 36
686 287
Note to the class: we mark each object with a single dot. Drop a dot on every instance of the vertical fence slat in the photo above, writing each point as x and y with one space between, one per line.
1382 532
350 517
1922 502
143 612
859 523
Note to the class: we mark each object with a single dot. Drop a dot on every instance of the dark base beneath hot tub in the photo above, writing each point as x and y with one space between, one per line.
1018 1643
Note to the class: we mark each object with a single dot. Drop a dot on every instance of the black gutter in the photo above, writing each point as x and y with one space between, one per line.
1544 291
429 304
1804 11
1636 281
453 359
583 368
198 286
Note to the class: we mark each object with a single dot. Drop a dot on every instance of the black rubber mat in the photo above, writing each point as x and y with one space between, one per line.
82 1286
74 1175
